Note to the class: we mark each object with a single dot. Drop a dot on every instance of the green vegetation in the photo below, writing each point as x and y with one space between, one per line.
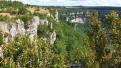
3 18
105 41
42 16
25 18
12 7
22 53
92 45
71 43
43 30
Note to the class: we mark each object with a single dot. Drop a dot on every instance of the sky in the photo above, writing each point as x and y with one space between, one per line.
115 3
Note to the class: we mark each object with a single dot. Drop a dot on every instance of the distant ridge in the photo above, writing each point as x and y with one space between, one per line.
95 7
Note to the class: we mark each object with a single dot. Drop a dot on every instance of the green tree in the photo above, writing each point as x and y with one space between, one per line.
98 38
23 53
114 33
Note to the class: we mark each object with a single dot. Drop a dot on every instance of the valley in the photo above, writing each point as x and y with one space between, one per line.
33 36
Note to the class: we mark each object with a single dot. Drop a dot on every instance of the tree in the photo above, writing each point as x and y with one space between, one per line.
21 53
97 36
114 34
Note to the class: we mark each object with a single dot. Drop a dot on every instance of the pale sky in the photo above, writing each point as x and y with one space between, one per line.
73 2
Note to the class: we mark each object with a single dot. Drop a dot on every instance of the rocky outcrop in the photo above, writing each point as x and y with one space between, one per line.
11 30
20 27
52 37
1 53
44 22
77 21
56 16
4 28
32 30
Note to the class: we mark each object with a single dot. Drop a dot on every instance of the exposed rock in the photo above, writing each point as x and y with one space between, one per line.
32 30
1 53
18 64
13 32
46 39
13 29
4 28
35 21
52 38
20 27
44 22
67 18
75 26
48 14
56 16
77 20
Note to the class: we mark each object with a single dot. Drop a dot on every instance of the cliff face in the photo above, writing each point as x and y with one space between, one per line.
10 30
16 28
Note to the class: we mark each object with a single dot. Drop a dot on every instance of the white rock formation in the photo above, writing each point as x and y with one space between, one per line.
35 21
44 22
4 29
67 18
52 38
32 30
1 52
20 27
56 16
77 20
13 29
13 32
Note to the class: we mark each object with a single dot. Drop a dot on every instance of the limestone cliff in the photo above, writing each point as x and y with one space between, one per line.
12 29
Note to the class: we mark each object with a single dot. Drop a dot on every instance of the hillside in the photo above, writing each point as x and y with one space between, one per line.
25 26
59 37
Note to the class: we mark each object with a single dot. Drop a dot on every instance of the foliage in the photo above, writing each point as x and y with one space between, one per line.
25 18
1 38
41 16
3 18
92 44
97 36
42 30
8 4
38 54
114 34
105 41
50 19
71 43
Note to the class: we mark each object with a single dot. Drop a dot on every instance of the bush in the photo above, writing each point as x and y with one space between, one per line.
41 15
25 19
23 53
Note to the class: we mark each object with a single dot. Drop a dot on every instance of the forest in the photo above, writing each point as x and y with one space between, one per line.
95 44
